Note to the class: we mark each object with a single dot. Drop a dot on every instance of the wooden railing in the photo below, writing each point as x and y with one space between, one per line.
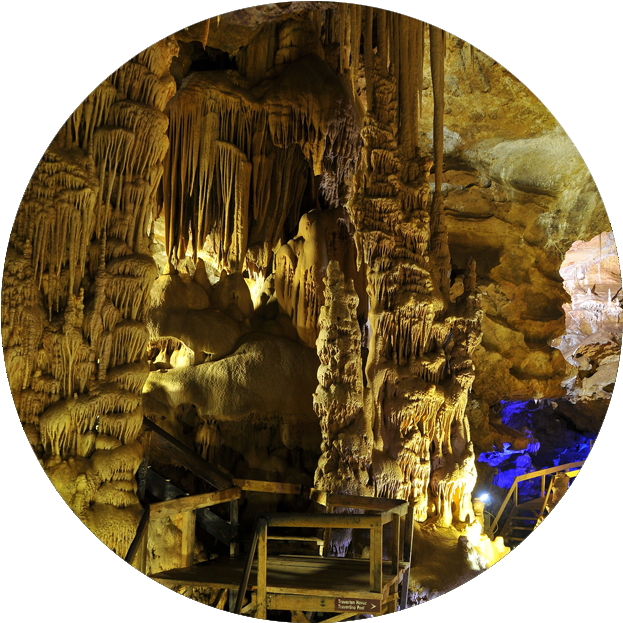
380 512
186 507
571 469
183 508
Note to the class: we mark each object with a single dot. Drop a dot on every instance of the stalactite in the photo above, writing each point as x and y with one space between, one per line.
403 243
75 291
438 225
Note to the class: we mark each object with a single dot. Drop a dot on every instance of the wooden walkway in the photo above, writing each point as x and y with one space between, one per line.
261 581
319 584
522 518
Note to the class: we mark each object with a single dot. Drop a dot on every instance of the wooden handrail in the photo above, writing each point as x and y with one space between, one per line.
266 486
361 502
346 520
193 502
138 537
544 505
177 451
529 476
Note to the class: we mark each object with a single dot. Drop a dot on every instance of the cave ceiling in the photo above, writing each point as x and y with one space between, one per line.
196 151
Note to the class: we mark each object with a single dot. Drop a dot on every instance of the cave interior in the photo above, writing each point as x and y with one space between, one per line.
321 245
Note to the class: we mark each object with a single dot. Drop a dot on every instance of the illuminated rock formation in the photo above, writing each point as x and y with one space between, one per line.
75 291
338 401
419 369
301 265
314 310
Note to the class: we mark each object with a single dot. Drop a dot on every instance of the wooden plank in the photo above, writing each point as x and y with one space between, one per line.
262 555
366 503
302 539
376 559
300 520
307 603
193 502
136 548
219 601
337 592
299 617
250 606
265 486
246 573
188 538
339 617
177 452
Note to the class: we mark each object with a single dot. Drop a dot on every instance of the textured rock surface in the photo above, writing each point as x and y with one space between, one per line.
75 289
485 191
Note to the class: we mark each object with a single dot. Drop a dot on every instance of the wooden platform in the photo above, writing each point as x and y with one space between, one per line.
310 583
293 580
312 575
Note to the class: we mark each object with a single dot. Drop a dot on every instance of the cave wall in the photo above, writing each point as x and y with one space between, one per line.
75 293
504 303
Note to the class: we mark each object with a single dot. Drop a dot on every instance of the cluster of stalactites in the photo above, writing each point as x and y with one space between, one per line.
419 367
338 400
240 158
392 44
75 293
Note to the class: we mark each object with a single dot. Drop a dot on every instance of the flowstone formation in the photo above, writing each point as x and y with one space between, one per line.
75 291
419 369
312 242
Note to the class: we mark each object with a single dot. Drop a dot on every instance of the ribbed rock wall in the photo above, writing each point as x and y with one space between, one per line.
75 290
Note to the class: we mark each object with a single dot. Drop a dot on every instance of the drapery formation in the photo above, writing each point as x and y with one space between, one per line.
75 290
316 129
242 156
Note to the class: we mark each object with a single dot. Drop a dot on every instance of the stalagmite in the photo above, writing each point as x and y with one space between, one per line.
338 400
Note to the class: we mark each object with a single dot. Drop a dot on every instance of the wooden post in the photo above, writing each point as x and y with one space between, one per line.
408 551
395 551
542 485
188 538
376 559
233 520
262 528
